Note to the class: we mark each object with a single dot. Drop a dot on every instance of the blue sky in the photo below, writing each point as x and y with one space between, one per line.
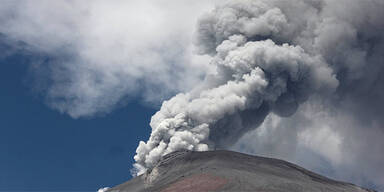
44 69
43 150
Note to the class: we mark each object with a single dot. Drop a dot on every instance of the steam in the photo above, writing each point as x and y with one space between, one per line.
104 189
270 57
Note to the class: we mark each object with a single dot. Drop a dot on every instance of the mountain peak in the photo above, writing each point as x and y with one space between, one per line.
191 171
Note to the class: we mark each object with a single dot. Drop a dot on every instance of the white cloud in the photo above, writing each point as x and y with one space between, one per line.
105 51
104 189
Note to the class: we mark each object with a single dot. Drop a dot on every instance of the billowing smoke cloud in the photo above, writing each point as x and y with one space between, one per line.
271 56
254 76
258 77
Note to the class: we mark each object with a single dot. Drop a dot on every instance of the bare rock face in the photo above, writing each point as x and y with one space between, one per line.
187 171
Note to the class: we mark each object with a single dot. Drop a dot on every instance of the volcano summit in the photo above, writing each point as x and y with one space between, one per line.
190 171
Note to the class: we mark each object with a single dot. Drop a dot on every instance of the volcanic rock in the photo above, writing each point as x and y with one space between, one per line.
189 171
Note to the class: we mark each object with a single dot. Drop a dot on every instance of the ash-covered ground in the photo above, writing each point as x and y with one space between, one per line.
190 171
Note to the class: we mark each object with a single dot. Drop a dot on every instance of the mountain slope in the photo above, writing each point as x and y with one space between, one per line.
188 171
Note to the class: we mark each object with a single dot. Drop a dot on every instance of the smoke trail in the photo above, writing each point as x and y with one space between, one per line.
270 56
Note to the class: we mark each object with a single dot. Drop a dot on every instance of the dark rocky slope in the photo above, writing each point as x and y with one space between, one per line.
187 171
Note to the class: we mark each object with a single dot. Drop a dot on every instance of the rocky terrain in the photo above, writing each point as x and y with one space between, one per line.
187 171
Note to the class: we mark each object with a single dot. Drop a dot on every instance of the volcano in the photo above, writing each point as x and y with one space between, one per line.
190 171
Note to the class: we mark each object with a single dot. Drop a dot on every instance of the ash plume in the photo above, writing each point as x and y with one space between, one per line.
271 56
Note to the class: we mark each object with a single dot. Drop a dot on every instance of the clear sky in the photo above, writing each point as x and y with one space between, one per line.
43 150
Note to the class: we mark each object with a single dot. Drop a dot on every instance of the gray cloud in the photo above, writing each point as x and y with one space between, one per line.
318 66
323 138
252 79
